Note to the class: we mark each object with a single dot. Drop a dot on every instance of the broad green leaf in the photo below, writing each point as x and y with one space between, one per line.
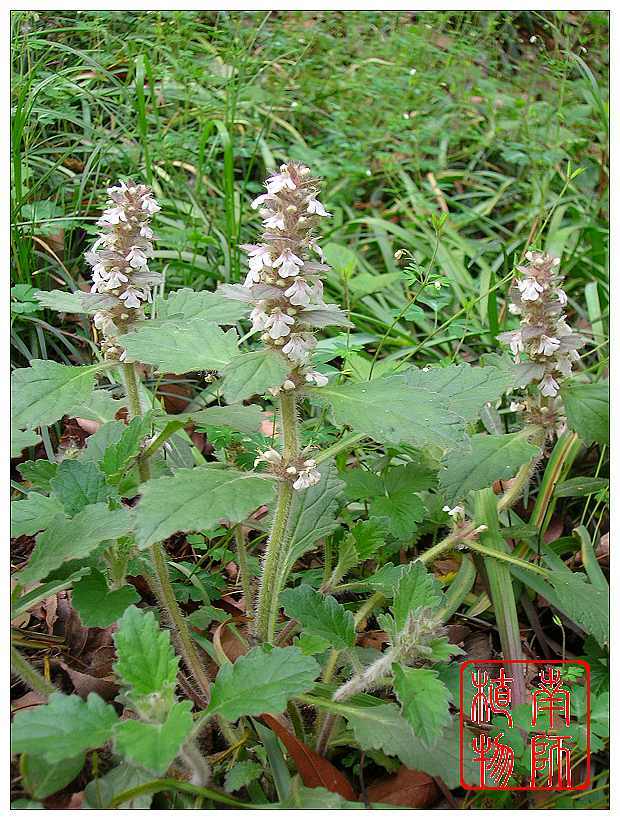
108 434
46 391
181 348
237 416
120 453
398 501
20 439
368 536
145 657
424 699
366 283
64 727
78 484
99 406
38 473
389 409
185 304
491 458
32 514
61 300
311 517
42 778
241 774
463 389
250 374
341 258
196 499
587 410
67 539
96 604
155 745
100 793
416 589
320 615
262 681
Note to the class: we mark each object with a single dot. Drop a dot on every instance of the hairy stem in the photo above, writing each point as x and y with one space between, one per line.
244 571
161 585
34 680
268 596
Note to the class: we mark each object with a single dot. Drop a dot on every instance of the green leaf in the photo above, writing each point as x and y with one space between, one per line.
96 604
20 439
38 473
145 657
181 348
262 681
253 373
78 484
32 514
416 589
237 416
491 458
67 539
62 300
424 700
580 487
120 453
341 258
311 517
399 502
242 774
320 615
587 410
42 778
64 727
99 406
155 745
46 391
108 434
463 389
368 536
388 409
178 502
185 304
100 793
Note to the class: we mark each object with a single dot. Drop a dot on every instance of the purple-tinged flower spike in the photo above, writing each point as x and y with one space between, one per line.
119 258
283 281
543 336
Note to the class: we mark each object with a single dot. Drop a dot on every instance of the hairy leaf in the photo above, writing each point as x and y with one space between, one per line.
196 499
64 727
96 604
185 304
237 416
250 374
416 589
62 301
145 657
38 473
320 615
20 439
424 699
587 410
491 458
46 391
68 539
155 745
33 513
262 681
78 484
42 778
180 348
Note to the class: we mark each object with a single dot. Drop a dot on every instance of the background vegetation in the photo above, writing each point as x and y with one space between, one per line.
482 117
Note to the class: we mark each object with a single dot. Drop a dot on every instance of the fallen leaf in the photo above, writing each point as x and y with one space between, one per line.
314 770
407 787
85 684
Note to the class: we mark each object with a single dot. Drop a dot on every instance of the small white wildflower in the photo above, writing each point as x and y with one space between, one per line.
307 478
516 406
413 71
279 324
131 298
136 258
548 345
453 512
288 263
316 207
530 289
548 386
278 182
292 470
562 297
270 456
150 205
533 38
272 220
299 293
314 377
259 318
112 216
299 346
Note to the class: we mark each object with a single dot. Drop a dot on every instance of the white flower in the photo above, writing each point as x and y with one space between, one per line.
149 205
307 478
104 323
116 279
548 386
259 257
316 207
317 249
136 258
548 345
289 263
279 324
299 293
299 346
259 200
112 216
562 297
117 189
270 456
131 297
515 309
454 512
146 232
271 220
514 339
314 377
529 289
252 278
259 318
278 182
516 406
